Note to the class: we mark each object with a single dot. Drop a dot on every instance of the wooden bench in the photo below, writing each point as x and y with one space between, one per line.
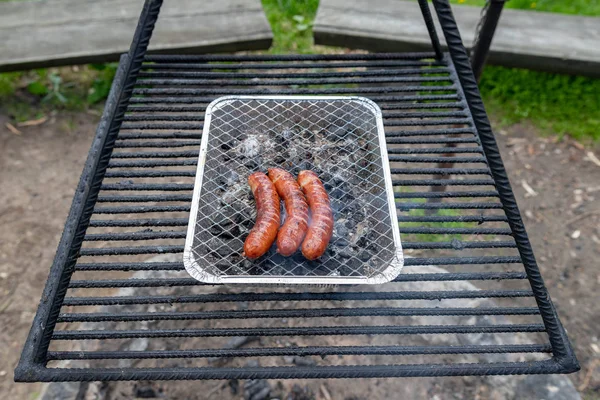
526 39
61 32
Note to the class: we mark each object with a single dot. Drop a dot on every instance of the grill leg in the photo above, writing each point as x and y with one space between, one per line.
490 15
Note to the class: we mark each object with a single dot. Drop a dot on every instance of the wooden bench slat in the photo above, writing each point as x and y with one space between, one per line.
63 32
526 39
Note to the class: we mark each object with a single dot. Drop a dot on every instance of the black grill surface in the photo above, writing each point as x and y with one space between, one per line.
470 300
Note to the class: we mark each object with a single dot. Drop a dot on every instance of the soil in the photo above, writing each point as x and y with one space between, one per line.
557 187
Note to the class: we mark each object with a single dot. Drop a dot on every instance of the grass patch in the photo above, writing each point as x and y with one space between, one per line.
432 237
291 22
557 104
30 94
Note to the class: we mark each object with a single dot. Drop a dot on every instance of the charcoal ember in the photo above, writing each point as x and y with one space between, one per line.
235 133
354 178
288 134
308 135
340 242
365 255
253 163
337 133
373 246
351 266
350 224
257 389
224 223
220 247
277 138
335 120
342 192
336 205
326 177
346 252
279 159
227 176
300 393
340 229
358 214
228 145
300 165
224 265
244 217
360 234
234 193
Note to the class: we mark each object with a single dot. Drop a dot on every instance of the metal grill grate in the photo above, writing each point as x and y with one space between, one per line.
470 300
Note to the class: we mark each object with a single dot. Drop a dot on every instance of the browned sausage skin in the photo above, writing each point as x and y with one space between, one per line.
264 232
320 229
294 228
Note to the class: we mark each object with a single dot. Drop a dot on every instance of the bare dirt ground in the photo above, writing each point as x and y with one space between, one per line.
556 183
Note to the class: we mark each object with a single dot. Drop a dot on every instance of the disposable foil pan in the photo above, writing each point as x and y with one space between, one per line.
339 138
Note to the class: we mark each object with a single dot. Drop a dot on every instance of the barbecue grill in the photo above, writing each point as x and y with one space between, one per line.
133 201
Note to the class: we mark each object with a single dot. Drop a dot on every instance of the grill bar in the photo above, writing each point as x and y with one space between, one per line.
191 66
354 371
301 352
309 296
305 331
382 99
114 283
138 222
297 313
295 75
301 91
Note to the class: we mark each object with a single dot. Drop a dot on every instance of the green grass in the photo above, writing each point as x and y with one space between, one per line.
291 21
29 94
556 104
432 237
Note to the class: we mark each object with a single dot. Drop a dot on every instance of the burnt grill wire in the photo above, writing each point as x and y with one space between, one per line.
144 201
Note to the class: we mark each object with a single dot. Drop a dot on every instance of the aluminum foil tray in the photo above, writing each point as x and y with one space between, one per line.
342 140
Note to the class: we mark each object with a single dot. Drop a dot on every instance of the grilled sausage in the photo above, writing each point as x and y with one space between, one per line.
320 229
294 228
264 232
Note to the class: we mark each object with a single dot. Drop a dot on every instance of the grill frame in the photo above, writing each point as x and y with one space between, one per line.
33 363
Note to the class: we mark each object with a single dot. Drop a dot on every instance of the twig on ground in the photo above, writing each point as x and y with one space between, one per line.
325 392
33 122
214 390
582 216
592 157
12 128
528 189
588 375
